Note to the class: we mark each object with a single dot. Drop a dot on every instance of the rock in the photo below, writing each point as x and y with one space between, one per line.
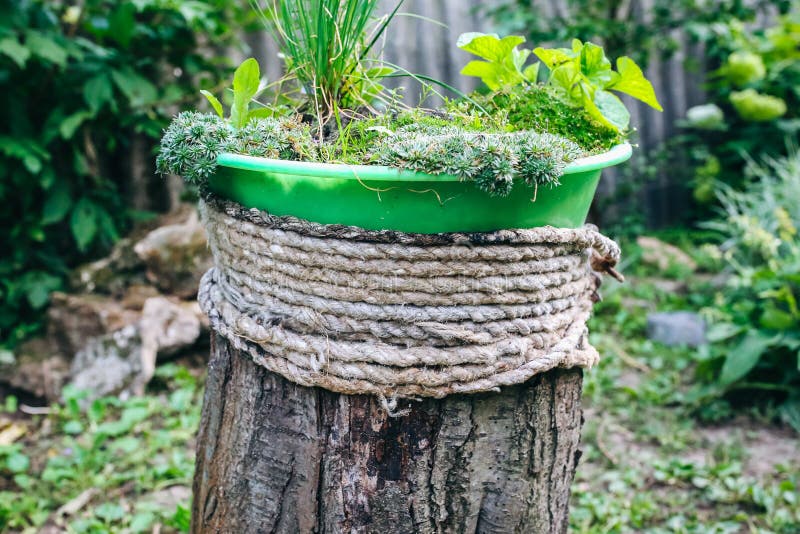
676 328
36 368
663 255
72 319
136 296
108 364
123 361
166 328
168 498
111 274
665 285
176 256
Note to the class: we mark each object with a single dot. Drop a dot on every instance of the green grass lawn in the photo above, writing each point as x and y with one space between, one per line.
654 460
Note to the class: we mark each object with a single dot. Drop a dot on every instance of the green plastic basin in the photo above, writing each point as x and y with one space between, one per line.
384 198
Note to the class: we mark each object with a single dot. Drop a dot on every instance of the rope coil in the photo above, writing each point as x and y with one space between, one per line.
401 315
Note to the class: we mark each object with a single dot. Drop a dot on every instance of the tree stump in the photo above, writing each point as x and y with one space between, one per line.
273 456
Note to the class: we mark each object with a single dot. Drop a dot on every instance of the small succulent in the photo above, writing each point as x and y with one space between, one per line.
193 141
191 144
492 161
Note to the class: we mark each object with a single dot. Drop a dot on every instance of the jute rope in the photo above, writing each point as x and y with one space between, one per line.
396 314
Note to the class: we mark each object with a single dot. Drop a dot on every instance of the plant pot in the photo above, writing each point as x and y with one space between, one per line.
384 198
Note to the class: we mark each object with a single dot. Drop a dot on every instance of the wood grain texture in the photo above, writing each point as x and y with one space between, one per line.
277 457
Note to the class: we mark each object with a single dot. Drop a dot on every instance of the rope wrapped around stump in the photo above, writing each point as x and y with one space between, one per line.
401 315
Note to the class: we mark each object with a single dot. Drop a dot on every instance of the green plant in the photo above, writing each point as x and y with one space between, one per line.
492 161
326 46
116 454
487 156
88 88
193 140
756 319
246 81
503 64
618 25
755 97
325 43
582 75
542 109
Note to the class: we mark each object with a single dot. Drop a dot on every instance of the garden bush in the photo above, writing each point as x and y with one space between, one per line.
615 22
755 318
753 101
81 81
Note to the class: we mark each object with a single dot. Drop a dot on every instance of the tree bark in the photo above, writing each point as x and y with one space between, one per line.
273 456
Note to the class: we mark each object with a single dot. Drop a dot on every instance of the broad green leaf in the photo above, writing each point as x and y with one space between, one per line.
69 125
587 99
142 522
57 203
73 427
722 331
595 66
109 511
17 463
137 89
97 91
106 224
490 73
566 77
194 11
742 358
215 103
26 150
612 109
246 80
531 72
774 318
83 222
37 286
44 47
11 47
488 45
553 57
632 82
519 57
260 113
122 23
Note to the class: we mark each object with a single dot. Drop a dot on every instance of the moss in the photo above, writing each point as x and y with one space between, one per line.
540 109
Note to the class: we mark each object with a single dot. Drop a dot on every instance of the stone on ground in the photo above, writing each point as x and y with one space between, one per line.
681 328
176 256
663 255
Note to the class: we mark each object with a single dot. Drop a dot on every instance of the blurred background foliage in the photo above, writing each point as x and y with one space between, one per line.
88 88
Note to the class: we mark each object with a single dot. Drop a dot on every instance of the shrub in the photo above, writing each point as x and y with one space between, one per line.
79 83
755 90
755 330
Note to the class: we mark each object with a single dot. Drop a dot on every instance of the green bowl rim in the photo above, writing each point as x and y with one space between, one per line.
617 154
